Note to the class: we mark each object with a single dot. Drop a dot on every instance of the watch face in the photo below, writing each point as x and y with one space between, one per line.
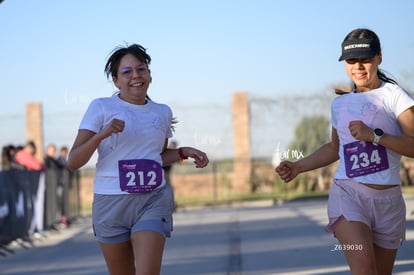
378 132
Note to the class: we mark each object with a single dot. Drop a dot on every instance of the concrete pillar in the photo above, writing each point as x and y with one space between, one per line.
34 127
241 140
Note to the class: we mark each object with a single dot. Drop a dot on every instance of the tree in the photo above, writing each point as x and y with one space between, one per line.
310 134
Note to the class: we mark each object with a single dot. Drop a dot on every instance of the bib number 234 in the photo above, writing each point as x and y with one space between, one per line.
362 158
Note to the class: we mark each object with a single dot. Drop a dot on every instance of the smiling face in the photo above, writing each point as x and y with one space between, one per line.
133 79
364 72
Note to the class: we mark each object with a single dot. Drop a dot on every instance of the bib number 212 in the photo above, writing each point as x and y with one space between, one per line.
148 179
139 175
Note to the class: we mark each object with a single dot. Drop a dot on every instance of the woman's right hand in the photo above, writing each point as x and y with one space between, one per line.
87 141
114 127
287 170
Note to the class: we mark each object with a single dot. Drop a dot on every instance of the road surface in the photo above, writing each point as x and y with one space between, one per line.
249 239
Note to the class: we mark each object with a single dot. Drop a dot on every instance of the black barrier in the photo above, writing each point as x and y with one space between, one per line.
51 205
22 210
17 203
33 201
6 204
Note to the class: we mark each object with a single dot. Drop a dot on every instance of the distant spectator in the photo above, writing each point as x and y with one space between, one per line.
51 161
54 185
64 183
7 156
26 157
63 156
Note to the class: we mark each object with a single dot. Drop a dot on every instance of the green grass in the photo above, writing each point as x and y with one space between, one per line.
408 190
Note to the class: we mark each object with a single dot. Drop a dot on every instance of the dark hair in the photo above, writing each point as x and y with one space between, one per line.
112 65
368 34
7 155
32 144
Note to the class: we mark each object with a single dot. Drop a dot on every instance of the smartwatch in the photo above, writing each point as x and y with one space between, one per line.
378 133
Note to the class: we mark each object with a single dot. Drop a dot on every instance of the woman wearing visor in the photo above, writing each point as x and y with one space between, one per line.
372 127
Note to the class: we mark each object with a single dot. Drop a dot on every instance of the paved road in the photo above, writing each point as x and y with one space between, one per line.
259 239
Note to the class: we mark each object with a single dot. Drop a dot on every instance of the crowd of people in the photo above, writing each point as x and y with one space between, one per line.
53 191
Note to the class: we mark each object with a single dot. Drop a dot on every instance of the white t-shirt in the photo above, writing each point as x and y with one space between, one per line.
146 128
377 108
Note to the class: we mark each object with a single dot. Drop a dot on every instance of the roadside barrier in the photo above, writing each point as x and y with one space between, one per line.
35 201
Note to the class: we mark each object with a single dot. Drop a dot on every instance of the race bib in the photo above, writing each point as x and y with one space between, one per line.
363 158
139 175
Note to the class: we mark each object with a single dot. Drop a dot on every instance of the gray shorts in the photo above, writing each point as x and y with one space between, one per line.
116 217
382 210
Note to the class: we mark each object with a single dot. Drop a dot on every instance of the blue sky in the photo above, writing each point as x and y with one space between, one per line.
54 52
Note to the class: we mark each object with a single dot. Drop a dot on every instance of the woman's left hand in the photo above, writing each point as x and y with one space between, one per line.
200 158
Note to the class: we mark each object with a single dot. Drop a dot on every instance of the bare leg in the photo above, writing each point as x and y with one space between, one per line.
385 259
148 249
358 234
119 258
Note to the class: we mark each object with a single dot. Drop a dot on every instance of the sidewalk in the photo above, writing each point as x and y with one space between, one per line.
48 238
